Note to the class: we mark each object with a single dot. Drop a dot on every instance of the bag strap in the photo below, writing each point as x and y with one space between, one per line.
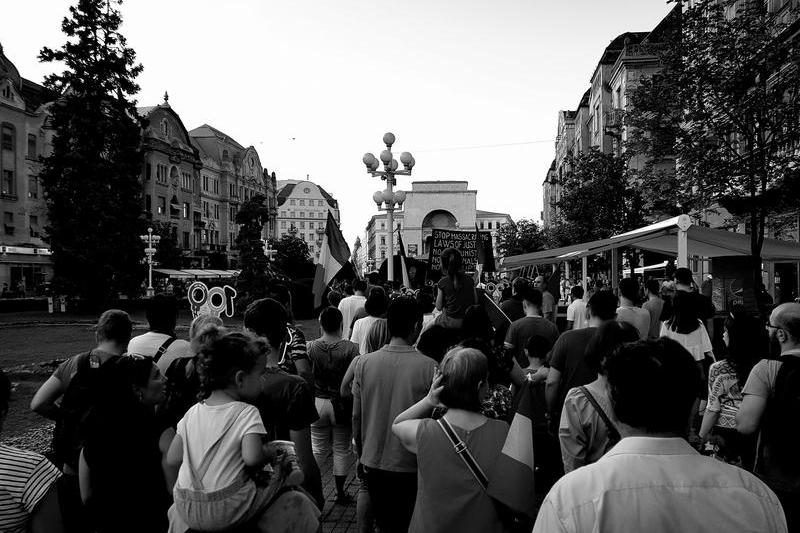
613 432
163 348
199 473
463 452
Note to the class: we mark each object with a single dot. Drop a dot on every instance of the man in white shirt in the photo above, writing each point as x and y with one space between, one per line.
160 342
349 306
652 480
628 311
576 312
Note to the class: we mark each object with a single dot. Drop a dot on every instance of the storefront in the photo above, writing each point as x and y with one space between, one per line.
24 271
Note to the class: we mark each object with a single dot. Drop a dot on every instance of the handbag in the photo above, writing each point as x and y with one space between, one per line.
613 433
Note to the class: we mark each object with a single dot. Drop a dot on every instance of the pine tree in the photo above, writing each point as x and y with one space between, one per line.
255 273
91 178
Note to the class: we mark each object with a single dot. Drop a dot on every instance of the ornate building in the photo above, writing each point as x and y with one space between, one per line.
431 205
303 208
25 137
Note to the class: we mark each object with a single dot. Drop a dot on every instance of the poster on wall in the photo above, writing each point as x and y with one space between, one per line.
464 242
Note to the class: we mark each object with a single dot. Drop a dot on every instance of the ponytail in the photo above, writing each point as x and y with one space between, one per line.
451 264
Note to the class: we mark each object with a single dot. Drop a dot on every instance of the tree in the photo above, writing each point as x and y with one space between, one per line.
727 104
91 178
520 237
598 199
292 257
255 273
168 255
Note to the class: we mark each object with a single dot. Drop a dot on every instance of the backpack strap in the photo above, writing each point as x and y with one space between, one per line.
463 452
163 348
613 432
197 474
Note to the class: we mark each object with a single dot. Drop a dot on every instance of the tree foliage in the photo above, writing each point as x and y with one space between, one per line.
168 255
255 274
726 104
598 199
292 257
91 178
520 237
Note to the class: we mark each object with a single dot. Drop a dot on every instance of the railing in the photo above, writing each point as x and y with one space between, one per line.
614 118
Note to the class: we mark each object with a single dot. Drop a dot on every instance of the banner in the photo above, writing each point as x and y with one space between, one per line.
464 242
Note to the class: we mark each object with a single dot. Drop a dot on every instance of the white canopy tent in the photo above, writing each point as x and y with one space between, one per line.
675 236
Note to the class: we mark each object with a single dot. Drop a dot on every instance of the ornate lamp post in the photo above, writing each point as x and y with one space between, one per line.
268 251
150 242
388 196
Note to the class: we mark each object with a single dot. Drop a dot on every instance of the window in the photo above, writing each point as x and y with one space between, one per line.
302 202
283 213
8 222
34 223
186 240
205 209
306 190
216 211
185 210
7 92
310 237
165 129
383 255
148 172
205 183
311 225
291 214
161 174
31 146
383 225
33 187
311 248
398 225
489 224
596 120
162 205
216 186
291 201
302 224
7 135
383 240
283 224
319 203
148 204
8 184
481 224
186 181
232 213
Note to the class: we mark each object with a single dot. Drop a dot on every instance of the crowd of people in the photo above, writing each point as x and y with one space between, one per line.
634 421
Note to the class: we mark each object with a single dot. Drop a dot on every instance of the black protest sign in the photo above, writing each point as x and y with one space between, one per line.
464 242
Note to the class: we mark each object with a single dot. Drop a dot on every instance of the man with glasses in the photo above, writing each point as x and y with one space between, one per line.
771 405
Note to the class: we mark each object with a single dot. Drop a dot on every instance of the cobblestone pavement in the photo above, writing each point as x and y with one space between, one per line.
338 518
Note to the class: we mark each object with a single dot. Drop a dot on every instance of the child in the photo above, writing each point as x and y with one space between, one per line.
536 350
220 437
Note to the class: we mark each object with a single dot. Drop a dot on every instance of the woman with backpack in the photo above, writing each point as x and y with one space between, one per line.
330 357
456 290
746 343
588 426
451 494
120 472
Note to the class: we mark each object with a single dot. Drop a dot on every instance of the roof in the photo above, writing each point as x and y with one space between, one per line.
205 131
211 142
662 238
289 185
31 92
616 46
479 213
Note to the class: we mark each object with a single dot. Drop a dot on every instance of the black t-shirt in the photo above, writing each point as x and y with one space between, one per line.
703 304
513 308
568 356
286 403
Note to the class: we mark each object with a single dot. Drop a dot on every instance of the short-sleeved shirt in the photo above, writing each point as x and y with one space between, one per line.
349 307
25 479
654 306
576 313
703 304
360 332
582 432
724 394
513 308
148 344
385 384
696 343
200 428
295 349
568 356
520 331
456 302
329 363
286 404
548 305
636 317
67 369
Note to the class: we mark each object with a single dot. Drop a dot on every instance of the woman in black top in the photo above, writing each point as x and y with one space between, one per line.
456 290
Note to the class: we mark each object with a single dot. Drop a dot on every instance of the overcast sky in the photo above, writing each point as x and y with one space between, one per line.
313 85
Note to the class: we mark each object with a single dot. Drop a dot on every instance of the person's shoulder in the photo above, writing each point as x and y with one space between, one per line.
20 459
179 345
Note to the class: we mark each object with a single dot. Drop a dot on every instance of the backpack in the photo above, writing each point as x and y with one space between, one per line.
76 403
778 458
183 385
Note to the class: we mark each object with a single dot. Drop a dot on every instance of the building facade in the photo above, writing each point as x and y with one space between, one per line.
303 208
430 205
25 137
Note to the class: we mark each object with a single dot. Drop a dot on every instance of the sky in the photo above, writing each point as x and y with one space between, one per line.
471 87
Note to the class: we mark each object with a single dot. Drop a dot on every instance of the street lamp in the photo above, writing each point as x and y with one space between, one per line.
388 197
268 251
150 242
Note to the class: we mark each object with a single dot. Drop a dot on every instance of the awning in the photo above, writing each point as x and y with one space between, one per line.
196 273
662 237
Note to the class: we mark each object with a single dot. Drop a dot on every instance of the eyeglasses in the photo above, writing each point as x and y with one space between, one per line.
770 326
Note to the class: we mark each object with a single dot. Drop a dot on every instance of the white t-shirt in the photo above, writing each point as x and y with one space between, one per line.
576 312
361 330
148 344
201 426
349 307
696 342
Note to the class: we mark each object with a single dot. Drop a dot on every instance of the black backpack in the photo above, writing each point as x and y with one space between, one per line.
183 385
76 403
778 457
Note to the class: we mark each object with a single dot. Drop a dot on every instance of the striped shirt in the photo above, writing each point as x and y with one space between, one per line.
25 479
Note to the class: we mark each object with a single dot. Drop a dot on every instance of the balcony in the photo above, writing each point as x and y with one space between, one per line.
643 50
614 118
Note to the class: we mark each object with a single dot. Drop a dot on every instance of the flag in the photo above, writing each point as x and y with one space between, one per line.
511 481
403 268
481 255
332 257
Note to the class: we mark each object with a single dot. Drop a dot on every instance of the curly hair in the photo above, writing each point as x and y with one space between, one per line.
221 355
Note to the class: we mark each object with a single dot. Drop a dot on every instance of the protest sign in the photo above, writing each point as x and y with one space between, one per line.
464 242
